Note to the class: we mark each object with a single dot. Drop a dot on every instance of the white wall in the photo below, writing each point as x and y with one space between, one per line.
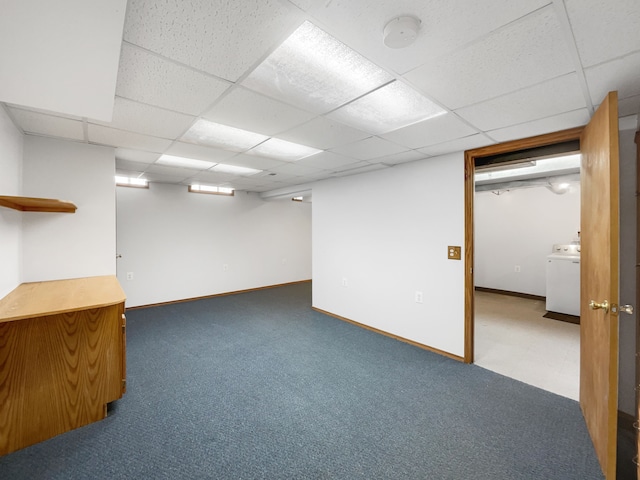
387 233
627 323
63 245
11 145
176 243
519 227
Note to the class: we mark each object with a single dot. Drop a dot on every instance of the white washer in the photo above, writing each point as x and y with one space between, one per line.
563 280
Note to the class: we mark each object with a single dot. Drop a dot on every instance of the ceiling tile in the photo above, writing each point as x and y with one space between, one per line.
458 145
621 75
498 63
50 125
629 106
604 30
199 152
359 169
546 99
139 156
544 125
216 36
295 169
435 130
120 138
212 177
397 158
446 26
155 80
251 111
327 161
254 161
323 133
372 147
146 119
172 171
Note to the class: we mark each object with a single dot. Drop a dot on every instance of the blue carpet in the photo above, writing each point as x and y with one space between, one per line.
259 386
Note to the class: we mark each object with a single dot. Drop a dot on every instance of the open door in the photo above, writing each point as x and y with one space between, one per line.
599 281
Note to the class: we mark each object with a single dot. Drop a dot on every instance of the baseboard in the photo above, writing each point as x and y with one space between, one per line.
511 294
391 335
224 294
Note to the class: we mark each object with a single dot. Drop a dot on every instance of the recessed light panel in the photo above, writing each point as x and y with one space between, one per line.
221 168
313 70
389 108
204 132
283 150
183 162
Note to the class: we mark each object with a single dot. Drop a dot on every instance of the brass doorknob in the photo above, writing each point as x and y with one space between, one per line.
593 305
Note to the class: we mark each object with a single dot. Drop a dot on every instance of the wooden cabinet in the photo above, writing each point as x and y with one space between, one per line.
62 357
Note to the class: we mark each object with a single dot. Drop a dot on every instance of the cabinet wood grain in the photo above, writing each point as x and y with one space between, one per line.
58 371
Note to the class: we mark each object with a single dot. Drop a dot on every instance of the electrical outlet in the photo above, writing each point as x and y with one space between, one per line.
225 267
129 275
418 297
516 269
345 283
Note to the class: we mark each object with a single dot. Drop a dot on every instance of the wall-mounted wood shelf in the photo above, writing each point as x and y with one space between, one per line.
29 204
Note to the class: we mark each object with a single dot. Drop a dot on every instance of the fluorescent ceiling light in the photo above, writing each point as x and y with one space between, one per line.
283 150
204 132
313 70
221 168
542 168
184 162
389 108
132 182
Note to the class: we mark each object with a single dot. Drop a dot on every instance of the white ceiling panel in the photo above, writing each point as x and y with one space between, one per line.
539 127
629 106
327 161
604 30
254 161
41 124
172 171
212 177
435 130
251 111
295 169
146 119
546 99
61 56
499 63
369 148
155 80
323 133
445 25
138 156
216 36
199 152
458 145
621 75
398 158
120 138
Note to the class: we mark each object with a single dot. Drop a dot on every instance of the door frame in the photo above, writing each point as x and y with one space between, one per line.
470 157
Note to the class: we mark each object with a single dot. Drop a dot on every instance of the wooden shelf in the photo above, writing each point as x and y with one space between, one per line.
29 204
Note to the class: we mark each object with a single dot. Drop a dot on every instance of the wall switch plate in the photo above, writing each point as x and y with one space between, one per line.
225 267
454 253
345 283
516 269
129 275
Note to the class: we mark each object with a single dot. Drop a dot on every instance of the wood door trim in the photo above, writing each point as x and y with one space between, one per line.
637 300
470 157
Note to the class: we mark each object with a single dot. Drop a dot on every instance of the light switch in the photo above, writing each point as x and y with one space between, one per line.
455 253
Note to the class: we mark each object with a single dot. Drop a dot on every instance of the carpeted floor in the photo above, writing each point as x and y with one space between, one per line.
259 386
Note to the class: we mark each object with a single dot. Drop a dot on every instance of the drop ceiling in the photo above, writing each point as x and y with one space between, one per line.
138 75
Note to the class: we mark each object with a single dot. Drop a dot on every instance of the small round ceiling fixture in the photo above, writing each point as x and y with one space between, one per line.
401 32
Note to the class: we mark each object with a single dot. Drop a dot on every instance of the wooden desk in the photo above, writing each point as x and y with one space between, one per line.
62 357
